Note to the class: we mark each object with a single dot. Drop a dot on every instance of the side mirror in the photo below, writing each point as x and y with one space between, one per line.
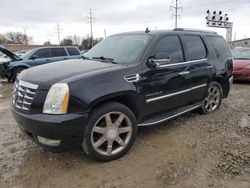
159 60
34 57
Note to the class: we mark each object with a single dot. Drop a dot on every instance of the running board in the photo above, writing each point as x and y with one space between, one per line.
170 115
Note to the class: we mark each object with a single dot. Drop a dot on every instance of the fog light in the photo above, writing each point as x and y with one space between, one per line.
48 142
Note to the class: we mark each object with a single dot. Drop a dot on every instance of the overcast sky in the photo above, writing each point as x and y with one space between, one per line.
39 17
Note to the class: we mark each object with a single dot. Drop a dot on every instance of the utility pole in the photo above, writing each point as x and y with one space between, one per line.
176 15
25 37
58 30
91 21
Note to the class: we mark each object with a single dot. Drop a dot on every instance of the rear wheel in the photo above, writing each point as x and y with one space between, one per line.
110 133
213 98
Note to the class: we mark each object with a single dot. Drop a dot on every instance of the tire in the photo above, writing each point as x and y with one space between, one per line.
16 72
213 99
110 132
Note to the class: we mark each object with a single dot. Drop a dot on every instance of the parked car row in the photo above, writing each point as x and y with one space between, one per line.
125 81
34 57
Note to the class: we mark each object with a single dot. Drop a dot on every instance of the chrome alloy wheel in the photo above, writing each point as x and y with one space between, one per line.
111 133
212 101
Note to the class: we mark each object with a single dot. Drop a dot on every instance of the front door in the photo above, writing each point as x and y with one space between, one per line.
163 86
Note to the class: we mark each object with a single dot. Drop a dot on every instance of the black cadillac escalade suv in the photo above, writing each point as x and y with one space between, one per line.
127 80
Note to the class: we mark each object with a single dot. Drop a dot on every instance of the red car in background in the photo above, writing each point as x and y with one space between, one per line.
241 65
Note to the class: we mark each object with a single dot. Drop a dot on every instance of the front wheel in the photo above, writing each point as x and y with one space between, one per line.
110 132
213 98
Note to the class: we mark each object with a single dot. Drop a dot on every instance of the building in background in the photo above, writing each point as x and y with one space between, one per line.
240 43
21 47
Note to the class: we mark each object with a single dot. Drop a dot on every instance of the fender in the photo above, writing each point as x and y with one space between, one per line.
15 64
87 94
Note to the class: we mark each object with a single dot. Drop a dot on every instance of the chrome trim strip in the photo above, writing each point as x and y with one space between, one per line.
182 63
27 97
173 94
30 92
175 115
27 84
27 103
184 73
209 67
24 108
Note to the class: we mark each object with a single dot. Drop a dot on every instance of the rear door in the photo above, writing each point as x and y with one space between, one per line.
198 69
57 54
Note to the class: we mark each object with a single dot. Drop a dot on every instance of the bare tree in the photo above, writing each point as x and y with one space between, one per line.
3 39
67 42
86 42
76 39
17 37
47 43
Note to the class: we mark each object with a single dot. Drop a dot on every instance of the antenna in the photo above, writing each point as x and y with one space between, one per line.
147 30
176 8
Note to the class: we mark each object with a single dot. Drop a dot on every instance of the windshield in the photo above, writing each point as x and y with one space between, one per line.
241 54
123 49
27 54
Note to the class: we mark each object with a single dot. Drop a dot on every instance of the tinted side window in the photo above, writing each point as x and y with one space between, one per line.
171 46
57 52
220 46
42 53
72 51
195 47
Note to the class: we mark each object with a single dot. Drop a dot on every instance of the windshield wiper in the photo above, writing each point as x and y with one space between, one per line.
105 59
84 57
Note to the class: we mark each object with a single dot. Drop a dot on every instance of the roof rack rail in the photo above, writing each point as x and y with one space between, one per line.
194 30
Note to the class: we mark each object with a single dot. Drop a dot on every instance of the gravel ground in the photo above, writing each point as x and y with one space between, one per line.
190 151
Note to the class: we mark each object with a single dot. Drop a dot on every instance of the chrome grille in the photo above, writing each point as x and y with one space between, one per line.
23 94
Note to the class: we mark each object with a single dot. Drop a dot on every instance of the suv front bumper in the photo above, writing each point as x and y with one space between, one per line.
53 132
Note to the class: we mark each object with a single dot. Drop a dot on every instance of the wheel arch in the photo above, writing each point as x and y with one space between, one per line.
224 83
129 100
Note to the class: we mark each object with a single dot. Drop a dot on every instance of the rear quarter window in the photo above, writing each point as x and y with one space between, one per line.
195 47
220 46
73 51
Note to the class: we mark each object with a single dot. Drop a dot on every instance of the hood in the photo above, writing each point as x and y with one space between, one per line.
240 63
10 54
64 71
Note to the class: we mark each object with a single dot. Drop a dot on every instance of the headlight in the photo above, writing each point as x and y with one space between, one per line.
57 99
247 67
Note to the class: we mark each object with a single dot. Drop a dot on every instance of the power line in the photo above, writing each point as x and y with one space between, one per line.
91 21
58 30
176 15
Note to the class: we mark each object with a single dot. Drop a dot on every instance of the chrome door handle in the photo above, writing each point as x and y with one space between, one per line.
184 73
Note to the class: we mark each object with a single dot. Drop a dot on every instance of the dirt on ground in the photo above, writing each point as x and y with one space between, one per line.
189 151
